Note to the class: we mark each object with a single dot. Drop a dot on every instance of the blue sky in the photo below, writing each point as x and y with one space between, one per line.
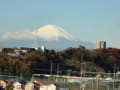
88 20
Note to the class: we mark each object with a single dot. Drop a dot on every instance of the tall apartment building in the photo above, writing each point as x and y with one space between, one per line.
101 45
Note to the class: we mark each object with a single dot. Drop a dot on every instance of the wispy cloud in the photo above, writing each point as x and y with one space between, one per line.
44 34
17 35
47 32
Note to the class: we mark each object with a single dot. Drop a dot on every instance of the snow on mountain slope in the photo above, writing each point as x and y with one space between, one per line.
52 32
51 36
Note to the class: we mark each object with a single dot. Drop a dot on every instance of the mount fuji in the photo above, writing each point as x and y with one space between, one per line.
51 36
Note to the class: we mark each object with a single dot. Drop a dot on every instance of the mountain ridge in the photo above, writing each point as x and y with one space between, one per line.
52 32
51 36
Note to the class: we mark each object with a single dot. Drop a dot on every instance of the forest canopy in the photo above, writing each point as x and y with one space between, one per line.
97 60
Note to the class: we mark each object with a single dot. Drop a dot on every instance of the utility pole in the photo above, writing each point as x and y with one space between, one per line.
58 69
114 78
82 74
97 81
81 67
117 73
51 67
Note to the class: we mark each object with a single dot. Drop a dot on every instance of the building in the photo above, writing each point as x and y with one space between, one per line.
41 49
48 87
3 84
101 45
17 86
29 86
1 49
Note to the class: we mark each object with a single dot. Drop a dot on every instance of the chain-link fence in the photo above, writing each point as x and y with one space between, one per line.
81 83
100 82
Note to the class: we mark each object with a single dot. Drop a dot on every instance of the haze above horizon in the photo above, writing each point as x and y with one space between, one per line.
87 20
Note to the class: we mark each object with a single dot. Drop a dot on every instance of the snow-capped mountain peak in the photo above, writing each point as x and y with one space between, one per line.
52 32
51 36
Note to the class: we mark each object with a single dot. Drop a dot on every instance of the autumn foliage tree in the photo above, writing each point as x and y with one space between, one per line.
102 60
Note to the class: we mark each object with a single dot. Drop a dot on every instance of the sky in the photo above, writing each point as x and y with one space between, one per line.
87 20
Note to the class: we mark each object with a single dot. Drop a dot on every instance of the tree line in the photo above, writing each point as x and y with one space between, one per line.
70 59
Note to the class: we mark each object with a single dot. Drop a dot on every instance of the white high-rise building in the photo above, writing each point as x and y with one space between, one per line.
101 45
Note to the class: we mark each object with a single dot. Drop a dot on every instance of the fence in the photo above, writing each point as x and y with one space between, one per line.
77 83
84 83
